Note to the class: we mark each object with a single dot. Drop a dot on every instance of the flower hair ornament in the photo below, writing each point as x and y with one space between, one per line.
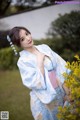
12 45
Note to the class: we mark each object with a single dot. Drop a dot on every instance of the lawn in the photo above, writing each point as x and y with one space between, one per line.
14 97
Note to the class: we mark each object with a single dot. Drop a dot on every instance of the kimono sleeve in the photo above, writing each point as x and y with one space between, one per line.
31 76
60 65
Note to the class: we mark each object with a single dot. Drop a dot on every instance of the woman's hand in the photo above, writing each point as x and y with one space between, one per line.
67 97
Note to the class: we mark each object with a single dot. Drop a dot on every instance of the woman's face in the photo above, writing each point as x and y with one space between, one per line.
25 39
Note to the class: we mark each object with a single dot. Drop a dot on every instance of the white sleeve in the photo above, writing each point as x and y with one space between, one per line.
60 65
31 76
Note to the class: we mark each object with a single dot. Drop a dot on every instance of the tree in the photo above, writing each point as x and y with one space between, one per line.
3 39
4 30
68 28
4 4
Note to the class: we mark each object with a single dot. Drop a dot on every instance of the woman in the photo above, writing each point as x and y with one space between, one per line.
41 71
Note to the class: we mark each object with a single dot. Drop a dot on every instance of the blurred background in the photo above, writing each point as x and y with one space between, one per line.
52 22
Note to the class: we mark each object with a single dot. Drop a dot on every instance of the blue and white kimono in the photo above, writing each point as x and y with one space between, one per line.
44 99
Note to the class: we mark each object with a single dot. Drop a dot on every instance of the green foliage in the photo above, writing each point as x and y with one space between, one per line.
7 59
72 81
68 28
68 54
4 4
3 39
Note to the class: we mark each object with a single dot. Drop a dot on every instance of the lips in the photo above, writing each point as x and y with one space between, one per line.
30 42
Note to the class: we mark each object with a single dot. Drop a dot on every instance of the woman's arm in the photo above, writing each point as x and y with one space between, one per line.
31 75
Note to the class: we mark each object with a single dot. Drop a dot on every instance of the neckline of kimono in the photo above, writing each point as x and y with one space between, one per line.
36 47
41 51
25 52
29 51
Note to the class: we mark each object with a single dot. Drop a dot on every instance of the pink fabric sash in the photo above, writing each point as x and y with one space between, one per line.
53 79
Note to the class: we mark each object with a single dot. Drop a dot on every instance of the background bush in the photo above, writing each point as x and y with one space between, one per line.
7 59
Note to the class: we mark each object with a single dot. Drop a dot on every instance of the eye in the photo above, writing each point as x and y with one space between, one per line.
27 33
22 39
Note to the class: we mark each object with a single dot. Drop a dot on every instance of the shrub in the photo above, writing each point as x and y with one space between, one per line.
72 112
7 59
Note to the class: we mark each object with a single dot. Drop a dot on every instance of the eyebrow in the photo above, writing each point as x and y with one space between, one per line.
25 33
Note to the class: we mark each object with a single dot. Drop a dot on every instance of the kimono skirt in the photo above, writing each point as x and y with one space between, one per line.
41 111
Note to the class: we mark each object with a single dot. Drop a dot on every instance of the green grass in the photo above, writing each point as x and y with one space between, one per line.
14 97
